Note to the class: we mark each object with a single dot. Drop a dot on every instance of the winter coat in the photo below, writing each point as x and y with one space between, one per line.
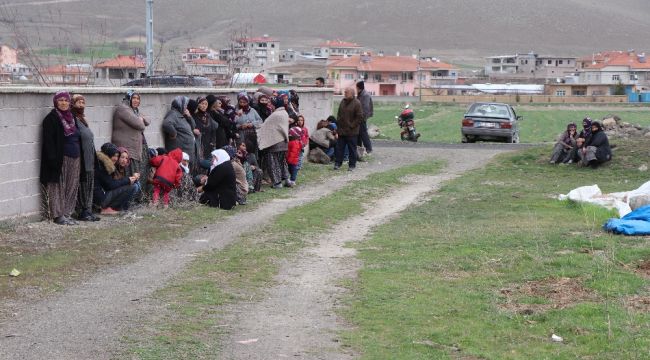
240 175
274 130
600 141
87 148
208 134
178 134
252 117
349 117
104 181
221 187
128 130
366 104
293 152
168 172
323 137
52 149
223 133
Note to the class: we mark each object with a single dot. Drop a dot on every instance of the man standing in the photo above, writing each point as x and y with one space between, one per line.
350 117
320 82
366 105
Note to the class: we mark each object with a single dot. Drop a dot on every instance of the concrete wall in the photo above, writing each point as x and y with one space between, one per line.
22 111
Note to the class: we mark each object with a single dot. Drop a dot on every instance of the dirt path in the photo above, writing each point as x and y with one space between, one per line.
87 320
297 317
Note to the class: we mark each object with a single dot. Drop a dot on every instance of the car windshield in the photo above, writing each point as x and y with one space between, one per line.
489 110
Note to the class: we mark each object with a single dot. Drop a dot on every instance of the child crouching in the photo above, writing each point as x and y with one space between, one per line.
167 176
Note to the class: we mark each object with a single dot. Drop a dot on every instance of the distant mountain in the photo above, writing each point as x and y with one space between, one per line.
451 29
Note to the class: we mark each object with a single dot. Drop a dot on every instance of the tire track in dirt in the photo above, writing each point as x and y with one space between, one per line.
298 318
88 320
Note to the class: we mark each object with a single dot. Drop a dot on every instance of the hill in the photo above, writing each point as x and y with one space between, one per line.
449 29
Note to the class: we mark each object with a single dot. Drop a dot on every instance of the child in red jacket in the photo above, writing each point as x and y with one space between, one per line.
168 175
293 154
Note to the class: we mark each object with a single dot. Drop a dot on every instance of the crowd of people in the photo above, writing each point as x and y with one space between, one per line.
214 152
590 147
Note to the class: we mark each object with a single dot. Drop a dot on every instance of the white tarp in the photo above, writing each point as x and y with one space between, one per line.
619 201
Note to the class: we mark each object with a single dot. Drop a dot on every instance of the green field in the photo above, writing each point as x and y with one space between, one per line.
493 265
441 123
91 53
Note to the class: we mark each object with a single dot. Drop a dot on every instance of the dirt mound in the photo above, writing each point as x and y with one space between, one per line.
638 303
543 295
643 269
615 127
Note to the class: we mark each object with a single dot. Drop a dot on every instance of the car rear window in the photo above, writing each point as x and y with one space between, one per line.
489 110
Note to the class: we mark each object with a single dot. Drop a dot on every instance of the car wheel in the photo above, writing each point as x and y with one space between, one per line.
467 139
514 139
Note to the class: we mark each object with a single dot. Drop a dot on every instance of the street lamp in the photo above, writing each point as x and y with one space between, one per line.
419 76
149 27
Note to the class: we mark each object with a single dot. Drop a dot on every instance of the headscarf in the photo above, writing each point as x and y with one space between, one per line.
266 91
66 118
202 115
185 168
121 150
221 155
232 152
180 103
568 129
78 112
586 127
192 106
128 99
278 102
245 108
597 125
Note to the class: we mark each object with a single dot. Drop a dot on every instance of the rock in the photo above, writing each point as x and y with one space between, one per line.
643 167
625 124
638 201
373 131
609 123
647 134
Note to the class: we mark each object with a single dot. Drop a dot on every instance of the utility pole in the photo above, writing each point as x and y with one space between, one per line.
419 75
149 37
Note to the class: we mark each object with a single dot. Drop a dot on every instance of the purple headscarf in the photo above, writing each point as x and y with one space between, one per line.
67 120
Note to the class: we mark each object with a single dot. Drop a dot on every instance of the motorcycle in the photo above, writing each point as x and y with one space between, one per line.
406 121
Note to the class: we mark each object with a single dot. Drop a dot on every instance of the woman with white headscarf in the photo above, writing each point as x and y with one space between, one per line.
219 188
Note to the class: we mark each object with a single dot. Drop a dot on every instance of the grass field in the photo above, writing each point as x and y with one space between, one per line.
90 53
441 123
494 265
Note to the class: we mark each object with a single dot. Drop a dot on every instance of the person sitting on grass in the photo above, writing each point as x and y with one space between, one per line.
240 174
168 175
596 149
219 187
565 147
110 195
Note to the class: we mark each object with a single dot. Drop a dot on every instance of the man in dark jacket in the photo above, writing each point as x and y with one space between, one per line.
366 105
350 117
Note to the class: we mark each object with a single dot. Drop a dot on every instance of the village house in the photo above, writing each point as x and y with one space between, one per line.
197 53
119 70
251 54
214 69
389 75
529 66
68 75
337 48
608 73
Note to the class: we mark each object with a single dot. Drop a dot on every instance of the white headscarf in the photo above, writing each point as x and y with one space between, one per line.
221 155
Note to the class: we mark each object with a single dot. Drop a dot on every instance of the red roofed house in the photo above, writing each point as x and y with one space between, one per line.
337 48
120 70
601 74
389 75
73 74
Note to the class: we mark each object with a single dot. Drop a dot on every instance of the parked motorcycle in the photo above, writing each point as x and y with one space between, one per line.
406 121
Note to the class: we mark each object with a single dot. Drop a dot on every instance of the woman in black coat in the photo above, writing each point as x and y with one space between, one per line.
596 150
60 160
219 188
224 132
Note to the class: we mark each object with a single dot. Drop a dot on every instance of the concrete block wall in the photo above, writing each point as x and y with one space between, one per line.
22 111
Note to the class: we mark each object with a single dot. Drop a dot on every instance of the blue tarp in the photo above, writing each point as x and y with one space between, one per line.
635 223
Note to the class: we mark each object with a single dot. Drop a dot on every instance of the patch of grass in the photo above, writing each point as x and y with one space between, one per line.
441 122
190 328
90 53
432 281
51 257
